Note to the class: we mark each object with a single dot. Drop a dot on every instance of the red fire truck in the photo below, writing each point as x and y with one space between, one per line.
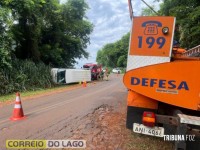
95 70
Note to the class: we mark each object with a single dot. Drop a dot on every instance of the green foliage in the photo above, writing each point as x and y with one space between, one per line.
187 13
67 37
122 60
5 38
148 12
42 31
25 75
47 31
114 54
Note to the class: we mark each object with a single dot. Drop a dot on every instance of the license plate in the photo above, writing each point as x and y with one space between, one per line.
153 131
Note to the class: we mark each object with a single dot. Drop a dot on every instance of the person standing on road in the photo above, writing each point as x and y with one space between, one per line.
107 74
101 75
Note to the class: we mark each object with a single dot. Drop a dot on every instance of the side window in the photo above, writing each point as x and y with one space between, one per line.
61 77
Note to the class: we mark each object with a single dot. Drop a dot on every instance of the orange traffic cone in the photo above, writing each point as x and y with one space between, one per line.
84 84
18 113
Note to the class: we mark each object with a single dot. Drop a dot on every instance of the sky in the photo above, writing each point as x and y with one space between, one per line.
111 21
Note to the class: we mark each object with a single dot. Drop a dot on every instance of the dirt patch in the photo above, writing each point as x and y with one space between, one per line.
105 129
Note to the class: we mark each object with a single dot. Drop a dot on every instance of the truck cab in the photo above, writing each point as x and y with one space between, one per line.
94 68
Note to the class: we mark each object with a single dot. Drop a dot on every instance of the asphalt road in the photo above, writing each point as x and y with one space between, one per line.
55 116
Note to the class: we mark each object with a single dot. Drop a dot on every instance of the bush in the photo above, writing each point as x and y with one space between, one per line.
25 75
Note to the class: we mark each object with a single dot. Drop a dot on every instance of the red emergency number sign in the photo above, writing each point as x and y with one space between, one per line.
148 39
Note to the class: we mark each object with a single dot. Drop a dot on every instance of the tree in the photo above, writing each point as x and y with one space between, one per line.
45 30
187 15
68 35
148 12
114 54
27 28
5 38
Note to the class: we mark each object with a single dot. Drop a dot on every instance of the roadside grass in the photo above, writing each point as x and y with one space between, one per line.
143 142
9 97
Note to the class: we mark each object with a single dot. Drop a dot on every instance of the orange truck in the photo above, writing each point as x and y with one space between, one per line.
163 83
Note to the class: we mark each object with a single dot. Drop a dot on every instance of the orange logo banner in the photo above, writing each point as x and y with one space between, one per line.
175 83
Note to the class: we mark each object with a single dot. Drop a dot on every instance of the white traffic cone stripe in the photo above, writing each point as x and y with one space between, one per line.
18 106
18 99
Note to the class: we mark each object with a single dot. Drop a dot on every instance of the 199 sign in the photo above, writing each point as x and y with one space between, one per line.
160 41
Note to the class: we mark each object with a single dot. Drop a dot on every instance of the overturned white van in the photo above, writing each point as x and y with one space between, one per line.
66 76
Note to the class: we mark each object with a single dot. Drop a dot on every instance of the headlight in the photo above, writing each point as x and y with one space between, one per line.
165 30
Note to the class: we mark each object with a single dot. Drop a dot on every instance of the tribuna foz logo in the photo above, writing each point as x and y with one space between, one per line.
179 137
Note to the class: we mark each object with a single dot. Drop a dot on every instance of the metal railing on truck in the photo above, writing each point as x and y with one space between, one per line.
193 52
